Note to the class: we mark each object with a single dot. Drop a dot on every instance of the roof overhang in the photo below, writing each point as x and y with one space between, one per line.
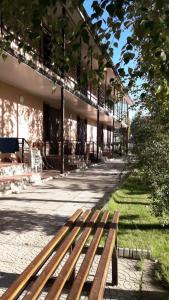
23 77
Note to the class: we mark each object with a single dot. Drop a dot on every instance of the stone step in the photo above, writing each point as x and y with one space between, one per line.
54 162
14 184
77 165
13 169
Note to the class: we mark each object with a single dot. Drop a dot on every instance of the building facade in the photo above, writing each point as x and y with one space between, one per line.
67 121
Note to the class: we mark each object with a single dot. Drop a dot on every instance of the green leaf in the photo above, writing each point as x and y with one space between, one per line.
120 13
128 56
129 47
99 23
97 8
85 36
121 72
75 46
94 16
110 9
129 40
117 34
143 95
163 56
115 44
127 24
130 71
34 35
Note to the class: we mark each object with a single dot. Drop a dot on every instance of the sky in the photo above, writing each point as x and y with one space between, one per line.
121 43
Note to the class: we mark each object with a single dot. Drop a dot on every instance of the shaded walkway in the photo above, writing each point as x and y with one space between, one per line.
29 219
43 207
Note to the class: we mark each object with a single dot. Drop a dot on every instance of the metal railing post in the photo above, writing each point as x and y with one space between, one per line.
22 150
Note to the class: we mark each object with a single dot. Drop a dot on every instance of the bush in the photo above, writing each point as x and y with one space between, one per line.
155 162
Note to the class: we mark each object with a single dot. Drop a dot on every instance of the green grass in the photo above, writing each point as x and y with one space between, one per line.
138 228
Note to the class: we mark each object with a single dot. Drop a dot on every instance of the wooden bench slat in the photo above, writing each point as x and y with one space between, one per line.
19 284
99 282
78 284
38 285
52 254
67 269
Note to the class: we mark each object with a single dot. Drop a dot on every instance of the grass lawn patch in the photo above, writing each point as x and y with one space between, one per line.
138 228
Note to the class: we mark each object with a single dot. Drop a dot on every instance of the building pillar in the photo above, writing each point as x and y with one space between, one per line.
98 121
91 68
62 167
62 129
121 139
113 140
105 89
127 131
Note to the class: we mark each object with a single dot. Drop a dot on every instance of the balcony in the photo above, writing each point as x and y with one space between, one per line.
39 58
74 151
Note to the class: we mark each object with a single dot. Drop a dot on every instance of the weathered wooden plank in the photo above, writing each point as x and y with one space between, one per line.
19 284
99 282
63 278
55 291
50 268
78 284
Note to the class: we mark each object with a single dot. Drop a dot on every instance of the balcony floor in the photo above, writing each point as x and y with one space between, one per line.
29 80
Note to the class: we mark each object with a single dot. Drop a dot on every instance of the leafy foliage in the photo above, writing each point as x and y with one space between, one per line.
138 228
151 146
141 130
155 158
147 45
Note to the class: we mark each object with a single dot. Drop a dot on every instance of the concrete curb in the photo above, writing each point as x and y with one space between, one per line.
134 253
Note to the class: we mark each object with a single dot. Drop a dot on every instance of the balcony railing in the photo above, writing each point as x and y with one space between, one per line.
76 149
40 57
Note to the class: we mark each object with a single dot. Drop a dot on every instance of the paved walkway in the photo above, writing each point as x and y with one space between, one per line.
29 220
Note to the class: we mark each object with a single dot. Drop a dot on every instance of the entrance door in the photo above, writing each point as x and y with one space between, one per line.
51 128
101 135
81 136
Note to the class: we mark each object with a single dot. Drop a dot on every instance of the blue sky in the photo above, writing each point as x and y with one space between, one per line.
122 40
121 43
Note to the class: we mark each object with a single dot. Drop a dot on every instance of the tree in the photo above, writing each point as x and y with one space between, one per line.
155 160
141 131
151 147
147 45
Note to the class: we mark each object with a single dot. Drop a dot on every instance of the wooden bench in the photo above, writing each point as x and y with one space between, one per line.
71 238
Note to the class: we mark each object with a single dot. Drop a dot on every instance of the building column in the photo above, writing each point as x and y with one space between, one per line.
105 88
98 121
113 140
127 131
62 110
62 129
91 68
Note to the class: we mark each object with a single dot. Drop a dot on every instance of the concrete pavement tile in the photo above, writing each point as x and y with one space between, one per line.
30 219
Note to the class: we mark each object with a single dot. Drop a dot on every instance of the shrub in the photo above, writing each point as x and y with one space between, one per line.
155 161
